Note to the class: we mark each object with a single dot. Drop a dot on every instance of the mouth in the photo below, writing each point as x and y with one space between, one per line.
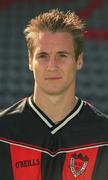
53 78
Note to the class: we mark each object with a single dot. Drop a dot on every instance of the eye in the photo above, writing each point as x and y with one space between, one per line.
63 55
42 56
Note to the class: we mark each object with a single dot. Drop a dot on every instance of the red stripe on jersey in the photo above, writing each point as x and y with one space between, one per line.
79 164
26 163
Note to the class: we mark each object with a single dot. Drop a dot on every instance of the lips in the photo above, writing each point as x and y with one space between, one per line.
53 78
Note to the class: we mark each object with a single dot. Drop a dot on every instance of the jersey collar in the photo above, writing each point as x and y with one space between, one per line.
55 127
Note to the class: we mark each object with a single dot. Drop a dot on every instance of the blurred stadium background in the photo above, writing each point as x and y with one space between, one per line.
16 80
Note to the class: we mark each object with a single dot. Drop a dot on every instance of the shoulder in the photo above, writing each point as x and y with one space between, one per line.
94 123
94 117
11 118
14 110
93 111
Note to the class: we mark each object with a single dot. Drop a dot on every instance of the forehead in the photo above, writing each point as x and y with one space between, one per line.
53 40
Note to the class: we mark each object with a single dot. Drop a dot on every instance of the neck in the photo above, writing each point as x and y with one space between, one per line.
55 107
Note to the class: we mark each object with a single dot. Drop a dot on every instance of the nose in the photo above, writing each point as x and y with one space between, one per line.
52 64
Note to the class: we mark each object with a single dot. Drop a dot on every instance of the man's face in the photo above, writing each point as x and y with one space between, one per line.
53 63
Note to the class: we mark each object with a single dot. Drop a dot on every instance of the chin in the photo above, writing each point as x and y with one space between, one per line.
54 92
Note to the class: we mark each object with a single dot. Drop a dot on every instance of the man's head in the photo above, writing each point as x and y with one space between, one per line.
56 21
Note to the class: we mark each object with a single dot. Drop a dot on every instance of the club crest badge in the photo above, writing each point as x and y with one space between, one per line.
78 164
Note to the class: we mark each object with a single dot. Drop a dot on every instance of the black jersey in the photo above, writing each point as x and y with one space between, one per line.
32 147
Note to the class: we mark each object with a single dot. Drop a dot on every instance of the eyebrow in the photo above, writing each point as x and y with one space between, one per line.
58 52
64 52
41 53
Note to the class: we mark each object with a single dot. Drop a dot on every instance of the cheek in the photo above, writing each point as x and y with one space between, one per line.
71 71
38 71
70 67
35 67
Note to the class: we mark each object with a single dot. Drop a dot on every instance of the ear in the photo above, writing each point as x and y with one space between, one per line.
80 61
30 62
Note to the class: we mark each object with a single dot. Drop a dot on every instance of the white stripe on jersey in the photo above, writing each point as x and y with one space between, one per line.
57 128
39 114
68 119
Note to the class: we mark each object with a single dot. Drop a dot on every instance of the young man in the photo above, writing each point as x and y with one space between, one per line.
54 135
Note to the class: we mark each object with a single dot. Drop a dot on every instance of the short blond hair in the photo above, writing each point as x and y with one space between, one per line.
56 21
